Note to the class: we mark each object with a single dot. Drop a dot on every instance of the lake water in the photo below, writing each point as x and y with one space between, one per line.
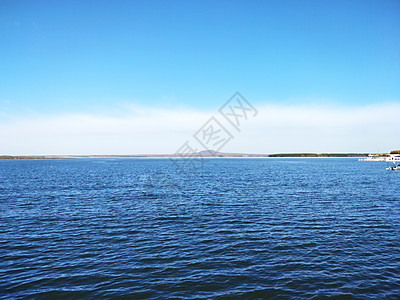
238 228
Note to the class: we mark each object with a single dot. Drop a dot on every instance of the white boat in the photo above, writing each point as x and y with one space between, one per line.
395 159
373 157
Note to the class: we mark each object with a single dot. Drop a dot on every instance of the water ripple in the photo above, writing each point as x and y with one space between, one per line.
241 229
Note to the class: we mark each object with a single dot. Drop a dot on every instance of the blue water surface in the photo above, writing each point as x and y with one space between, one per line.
296 228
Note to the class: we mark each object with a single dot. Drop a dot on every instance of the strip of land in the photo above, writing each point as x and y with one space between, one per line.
205 153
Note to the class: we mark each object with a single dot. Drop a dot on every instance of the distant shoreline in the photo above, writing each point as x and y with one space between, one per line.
203 154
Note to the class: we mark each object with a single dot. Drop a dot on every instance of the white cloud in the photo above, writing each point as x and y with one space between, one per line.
277 128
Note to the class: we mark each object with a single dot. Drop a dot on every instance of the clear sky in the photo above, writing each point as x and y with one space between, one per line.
91 57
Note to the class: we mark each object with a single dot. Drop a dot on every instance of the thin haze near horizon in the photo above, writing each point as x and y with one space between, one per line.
133 77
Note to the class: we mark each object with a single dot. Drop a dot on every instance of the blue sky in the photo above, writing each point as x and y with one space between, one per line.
60 57
78 54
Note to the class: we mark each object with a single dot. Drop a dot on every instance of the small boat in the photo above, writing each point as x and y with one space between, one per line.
373 157
395 159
